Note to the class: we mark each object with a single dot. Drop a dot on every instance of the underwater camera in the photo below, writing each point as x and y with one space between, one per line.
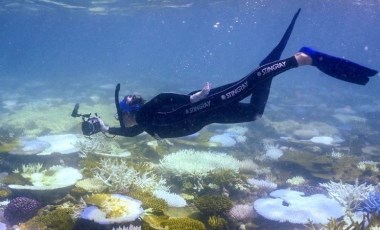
90 125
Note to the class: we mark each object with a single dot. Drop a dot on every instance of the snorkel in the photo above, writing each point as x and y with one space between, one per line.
130 105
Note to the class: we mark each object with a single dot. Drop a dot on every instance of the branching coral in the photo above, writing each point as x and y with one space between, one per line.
101 145
216 222
348 195
119 176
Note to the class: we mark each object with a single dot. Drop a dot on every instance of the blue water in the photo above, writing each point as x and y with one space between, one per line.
69 50
175 42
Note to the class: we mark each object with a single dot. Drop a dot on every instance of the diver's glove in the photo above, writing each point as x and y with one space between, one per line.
93 125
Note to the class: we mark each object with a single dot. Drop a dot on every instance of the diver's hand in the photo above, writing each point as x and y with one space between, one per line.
103 127
201 94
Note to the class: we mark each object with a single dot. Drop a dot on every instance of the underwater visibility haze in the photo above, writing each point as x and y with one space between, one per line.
310 162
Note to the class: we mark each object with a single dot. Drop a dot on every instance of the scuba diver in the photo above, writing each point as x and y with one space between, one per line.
174 115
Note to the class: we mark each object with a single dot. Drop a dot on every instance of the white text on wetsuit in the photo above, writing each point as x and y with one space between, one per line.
237 90
272 68
198 107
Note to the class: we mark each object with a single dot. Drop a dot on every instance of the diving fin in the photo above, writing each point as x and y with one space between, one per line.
275 54
339 68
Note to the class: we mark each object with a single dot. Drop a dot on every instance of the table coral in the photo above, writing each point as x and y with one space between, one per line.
112 208
51 178
292 206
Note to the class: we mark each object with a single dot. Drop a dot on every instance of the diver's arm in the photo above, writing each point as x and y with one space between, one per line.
126 132
120 131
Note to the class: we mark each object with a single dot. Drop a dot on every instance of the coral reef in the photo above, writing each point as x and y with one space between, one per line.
216 222
348 195
148 200
130 227
15 178
39 122
213 205
58 219
272 152
5 193
51 178
100 145
368 165
228 138
225 178
309 189
265 185
39 119
116 174
242 212
112 208
292 206
296 180
323 166
371 204
21 209
188 162
184 223
91 185
172 199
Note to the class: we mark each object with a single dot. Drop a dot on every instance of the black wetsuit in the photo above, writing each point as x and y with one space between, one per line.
173 115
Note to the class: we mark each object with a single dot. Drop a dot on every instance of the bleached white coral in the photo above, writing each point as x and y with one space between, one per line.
119 176
101 145
273 151
130 227
188 162
3 205
91 185
296 180
54 177
248 166
265 185
172 199
30 168
370 165
114 208
348 195
336 154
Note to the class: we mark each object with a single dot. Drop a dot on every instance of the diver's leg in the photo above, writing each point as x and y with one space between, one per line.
236 113
260 95
166 99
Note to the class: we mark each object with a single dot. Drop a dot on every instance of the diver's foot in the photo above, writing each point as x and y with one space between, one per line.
303 59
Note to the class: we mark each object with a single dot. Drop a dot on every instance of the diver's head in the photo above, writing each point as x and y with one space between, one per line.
131 104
